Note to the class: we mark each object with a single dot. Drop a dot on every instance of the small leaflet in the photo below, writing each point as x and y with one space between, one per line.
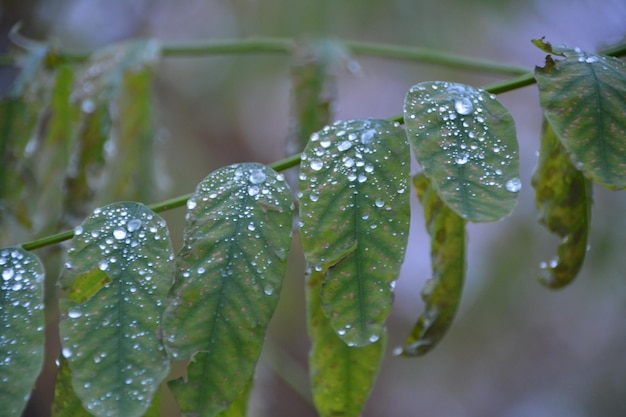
465 141
563 197
442 292
229 275
114 285
583 97
354 220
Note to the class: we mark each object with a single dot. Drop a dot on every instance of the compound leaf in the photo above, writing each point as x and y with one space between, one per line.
354 213
229 276
465 141
22 322
114 287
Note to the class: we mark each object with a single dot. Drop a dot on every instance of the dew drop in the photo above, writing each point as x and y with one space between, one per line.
513 185
591 60
133 225
462 159
74 313
78 230
314 197
191 204
7 274
119 233
374 338
325 143
463 106
367 137
257 176
316 164
344 145
103 265
67 353
341 332
87 106
362 178
348 162
253 190
379 203
251 227
268 290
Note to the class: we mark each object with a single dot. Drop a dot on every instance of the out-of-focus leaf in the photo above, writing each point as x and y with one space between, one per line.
584 98
465 141
82 179
313 78
442 292
229 276
354 213
563 197
131 172
66 403
112 340
341 376
22 322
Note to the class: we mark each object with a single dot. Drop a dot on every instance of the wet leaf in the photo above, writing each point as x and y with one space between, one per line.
228 280
465 141
584 98
239 407
563 197
112 340
442 292
354 213
341 376
22 322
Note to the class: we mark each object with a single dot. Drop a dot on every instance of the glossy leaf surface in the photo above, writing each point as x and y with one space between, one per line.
115 284
354 213
583 96
22 322
465 141
563 197
228 280
341 376
442 292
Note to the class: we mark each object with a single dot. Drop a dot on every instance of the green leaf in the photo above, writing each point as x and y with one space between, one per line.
313 72
22 322
112 339
131 175
66 403
354 213
563 197
239 407
442 292
465 141
341 376
229 276
584 98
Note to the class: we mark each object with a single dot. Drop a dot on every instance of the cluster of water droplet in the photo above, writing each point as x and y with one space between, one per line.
461 124
21 310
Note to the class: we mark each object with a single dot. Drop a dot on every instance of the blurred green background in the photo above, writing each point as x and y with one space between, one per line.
516 348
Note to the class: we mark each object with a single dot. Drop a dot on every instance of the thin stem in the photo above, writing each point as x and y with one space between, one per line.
433 57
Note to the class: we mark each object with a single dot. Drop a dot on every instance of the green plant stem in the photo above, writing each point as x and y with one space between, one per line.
291 161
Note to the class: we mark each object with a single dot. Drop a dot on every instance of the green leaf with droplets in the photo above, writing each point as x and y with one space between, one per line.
22 322
584 98
354 213
442 292
229 276
117 372
341 376
563 197
465 141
